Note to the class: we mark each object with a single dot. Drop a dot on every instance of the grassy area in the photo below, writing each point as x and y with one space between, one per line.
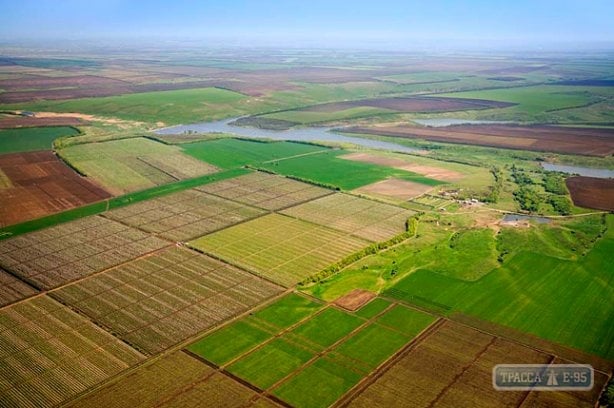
308 390
225 344
32 139
288 310
270 363
329 169
169 107
548 103
372 308
372 345
408 321
115 202
305 117
133 164
328 327
229 153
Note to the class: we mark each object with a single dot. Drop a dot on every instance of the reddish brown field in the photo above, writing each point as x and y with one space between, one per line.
416 104
584 141
591 192
41 185
21 121
355 299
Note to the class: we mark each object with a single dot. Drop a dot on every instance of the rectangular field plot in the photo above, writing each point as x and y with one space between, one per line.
160 300
134 164
321 348
358 216
13 289
176 380
451 367
49 354
184 215
57 255
283 249
265 190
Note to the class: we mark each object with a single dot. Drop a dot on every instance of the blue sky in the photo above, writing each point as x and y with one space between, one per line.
520 21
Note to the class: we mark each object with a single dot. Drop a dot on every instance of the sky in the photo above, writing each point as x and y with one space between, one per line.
313 22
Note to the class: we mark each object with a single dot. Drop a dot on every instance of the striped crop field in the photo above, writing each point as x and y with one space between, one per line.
13 289
184 215
57 255
283 249
358 216
49 354
265 190
176 380
159 300
126 165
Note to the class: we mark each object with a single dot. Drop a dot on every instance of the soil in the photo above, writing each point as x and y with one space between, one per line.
591 192
42 185
355 299
583 141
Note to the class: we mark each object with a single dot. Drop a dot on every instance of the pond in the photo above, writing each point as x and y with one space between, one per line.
582 171
311 134
520 217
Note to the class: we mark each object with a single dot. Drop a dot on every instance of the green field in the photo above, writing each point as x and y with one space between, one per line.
541 275
223 345
544 102
338 380
133 164
328 327
32 139
229 153
288 311
293 345
329 169
169 107
305 117
270 363
372 345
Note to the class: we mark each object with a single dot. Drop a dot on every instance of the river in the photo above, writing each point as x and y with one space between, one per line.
311 134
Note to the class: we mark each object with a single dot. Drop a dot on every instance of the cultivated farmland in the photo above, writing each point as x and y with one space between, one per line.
296 344
60 254
134 164
184 215
453 365
584 141
31 139
361 217
283 249
265 190
158 301
177 380
13 289
36 184
229 153
48 354
591 192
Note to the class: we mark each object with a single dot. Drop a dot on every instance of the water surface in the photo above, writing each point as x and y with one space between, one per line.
582 171
310 134
520 217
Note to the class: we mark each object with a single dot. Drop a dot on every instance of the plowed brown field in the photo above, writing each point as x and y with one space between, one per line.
41 185
591 192
585 141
